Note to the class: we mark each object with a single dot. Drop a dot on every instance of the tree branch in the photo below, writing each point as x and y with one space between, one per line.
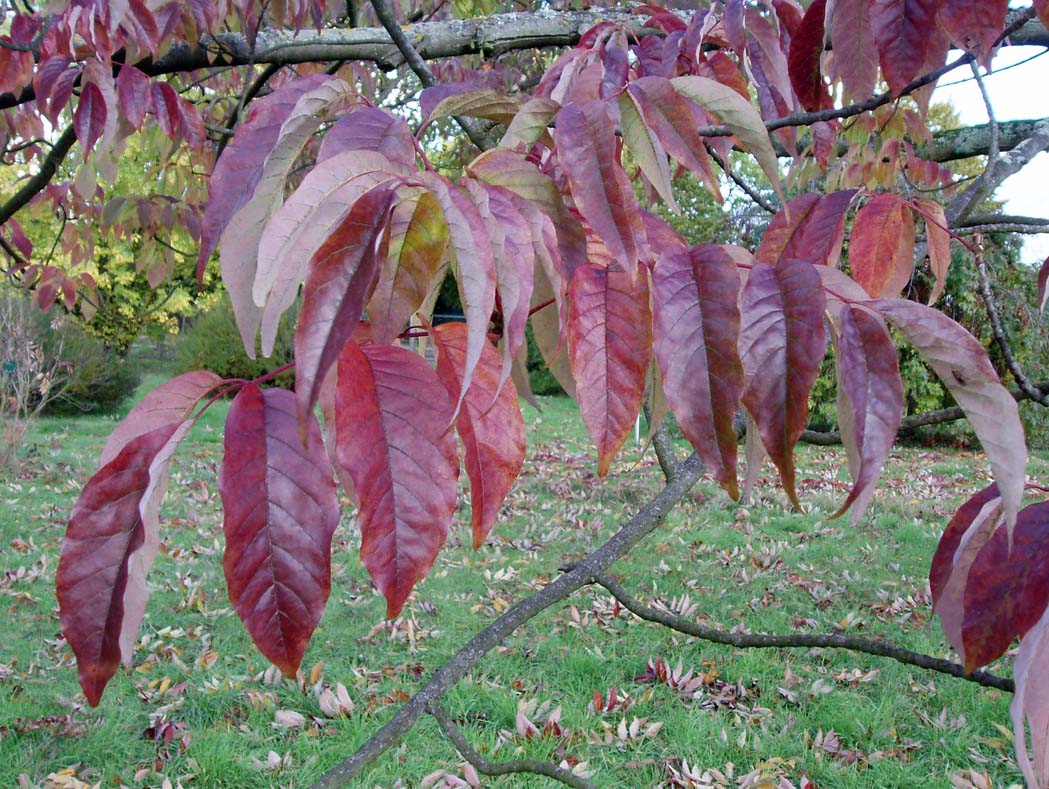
42 177
643 523
998 331
809 640
533 766
938 417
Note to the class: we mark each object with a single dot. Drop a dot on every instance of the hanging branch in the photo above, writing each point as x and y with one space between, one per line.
485 767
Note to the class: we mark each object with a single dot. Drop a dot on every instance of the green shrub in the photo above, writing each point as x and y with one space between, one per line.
212 342
539 375
99 379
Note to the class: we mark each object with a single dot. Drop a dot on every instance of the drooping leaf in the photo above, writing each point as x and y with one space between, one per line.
610 347
341 279
647 150
855 57
303 223
782 341
165 108
133 94
1043 291
739 115
585 139
1005 589
696 325
490 425
872 396
105 529
371 129
238 170
392 415
961 363
973 25
810 227
418 245
171 403
902 33
939 241
674 124
474 257
881 247
967 533
806 47
1030 704
89 118
281 510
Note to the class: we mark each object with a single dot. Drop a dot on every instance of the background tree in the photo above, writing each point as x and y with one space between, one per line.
313 178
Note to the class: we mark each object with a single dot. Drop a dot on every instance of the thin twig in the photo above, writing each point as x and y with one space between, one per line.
998 331
485 767
750 191
808 640
42 177
417 64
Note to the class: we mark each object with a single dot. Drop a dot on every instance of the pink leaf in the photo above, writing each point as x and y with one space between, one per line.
392 415
855 58
341 279
89 118
974 25
585 138
133 92
489 423
371 129
871 397
962 364
280 513
696 323
903 34
610 346
166 109
1043 292
781 342
1030 703
939 241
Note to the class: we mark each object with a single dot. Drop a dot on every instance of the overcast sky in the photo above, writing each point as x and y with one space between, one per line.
1017 92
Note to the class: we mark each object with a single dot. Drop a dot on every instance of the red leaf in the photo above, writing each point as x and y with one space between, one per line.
16 70
696 321
280 513
806 47
1041 7
782 342
974 25
1005 588
89 118
53 85
371 129
939 244
133 93
903 33
674 124
238 170
171 403
166 109
392 415
105 529
810 227
870 399
602 192
610 347
1031 703
855 58
961 363
493 435
341 279
881 247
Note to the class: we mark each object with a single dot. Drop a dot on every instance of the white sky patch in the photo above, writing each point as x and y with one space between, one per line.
1017 93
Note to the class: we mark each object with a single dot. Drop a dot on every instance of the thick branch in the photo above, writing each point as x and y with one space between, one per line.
938 417
485 767
809 640
643 523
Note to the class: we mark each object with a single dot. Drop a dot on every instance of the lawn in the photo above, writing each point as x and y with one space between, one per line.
200 707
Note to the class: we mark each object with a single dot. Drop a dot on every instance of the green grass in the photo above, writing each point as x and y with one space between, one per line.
756 565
